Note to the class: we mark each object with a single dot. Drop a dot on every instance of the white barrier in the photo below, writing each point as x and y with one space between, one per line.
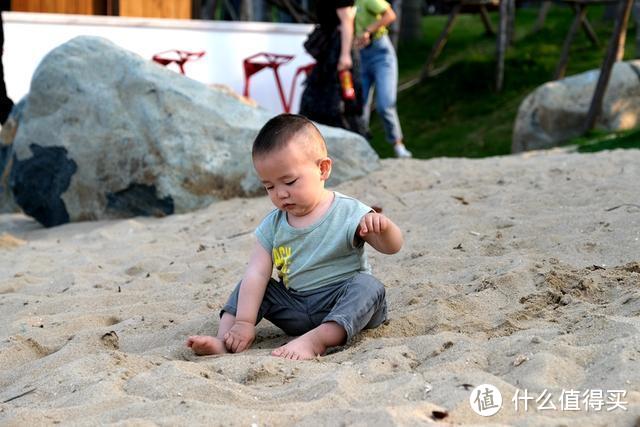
30 36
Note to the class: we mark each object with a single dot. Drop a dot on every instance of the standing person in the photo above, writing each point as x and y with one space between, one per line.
379 68
321 99
6 104
315 238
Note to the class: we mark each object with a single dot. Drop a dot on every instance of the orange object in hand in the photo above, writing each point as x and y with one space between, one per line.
346 84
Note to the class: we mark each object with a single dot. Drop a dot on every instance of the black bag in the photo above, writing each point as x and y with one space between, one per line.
317 42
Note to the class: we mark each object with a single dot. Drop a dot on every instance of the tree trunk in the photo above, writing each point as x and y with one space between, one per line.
411 25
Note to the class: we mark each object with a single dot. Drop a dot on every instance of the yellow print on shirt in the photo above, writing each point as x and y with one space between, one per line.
282 261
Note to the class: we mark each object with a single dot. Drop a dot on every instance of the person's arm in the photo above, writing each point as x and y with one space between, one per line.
386 18
347 16
252 288
380 232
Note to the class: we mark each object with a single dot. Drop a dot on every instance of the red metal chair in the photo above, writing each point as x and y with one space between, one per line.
262 60
306 69
175 56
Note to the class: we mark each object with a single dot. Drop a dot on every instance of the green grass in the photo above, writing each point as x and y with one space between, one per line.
457 113
598 141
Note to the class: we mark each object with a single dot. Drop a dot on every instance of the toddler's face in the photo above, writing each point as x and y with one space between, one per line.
293 178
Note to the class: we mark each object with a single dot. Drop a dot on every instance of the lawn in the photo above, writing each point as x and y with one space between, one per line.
458 113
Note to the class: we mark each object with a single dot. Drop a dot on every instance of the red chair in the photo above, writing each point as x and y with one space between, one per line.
306 69
262 60
175 56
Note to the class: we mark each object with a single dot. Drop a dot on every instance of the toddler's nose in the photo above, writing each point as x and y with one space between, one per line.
283 193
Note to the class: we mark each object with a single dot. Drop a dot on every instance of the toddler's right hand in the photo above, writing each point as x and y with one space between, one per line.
240 336
373 223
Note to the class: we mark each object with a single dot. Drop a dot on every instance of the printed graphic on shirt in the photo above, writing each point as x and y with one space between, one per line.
282 261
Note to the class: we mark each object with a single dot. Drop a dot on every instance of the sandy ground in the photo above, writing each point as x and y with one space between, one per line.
522 272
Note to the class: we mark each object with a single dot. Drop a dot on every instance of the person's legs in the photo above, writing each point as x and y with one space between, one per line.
366 76
356 304
279 305
385 68
386 81
321 100
362 305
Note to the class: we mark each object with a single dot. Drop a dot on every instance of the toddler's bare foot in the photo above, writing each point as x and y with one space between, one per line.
301 348
204 345
313 343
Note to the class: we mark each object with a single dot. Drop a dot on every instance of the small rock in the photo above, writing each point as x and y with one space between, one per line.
520 359
566 299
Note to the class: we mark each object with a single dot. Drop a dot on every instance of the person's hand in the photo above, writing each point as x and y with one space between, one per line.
240 336
373 222
363 40
345 62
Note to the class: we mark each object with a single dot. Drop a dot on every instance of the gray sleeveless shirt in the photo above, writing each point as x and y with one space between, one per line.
321 254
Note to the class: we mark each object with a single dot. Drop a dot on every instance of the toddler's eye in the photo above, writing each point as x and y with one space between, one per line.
291 182
268 188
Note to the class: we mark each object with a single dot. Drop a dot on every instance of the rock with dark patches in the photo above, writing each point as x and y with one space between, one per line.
37 184
140 199
145 140
556 111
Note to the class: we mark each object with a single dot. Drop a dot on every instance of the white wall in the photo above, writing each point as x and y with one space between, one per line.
30 36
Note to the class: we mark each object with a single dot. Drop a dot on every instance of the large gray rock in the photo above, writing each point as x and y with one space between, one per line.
556 111
105 133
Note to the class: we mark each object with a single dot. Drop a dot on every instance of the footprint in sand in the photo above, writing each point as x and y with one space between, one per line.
21 350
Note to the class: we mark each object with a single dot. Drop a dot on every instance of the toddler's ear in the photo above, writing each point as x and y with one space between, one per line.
325 168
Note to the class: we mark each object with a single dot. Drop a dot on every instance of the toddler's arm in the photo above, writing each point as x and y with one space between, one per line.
380 232
254 284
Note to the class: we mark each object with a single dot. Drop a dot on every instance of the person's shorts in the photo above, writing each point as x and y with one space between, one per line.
355 304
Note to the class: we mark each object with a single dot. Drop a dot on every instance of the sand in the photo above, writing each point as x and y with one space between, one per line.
522 272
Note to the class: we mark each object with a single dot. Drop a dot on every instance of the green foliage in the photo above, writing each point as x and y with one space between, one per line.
598 141
457 112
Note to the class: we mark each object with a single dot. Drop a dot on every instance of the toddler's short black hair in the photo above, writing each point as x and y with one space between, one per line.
279 130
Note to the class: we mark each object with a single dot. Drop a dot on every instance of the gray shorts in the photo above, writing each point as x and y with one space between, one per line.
355 304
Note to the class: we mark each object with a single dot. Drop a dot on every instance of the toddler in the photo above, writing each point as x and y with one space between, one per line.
325 293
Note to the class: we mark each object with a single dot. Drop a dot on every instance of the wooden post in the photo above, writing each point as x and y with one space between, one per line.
502 41
542 16
511 21
442 40
616 46
588 29
561 68
488 28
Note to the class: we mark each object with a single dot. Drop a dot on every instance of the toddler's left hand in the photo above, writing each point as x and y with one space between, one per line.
240 336
373 222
